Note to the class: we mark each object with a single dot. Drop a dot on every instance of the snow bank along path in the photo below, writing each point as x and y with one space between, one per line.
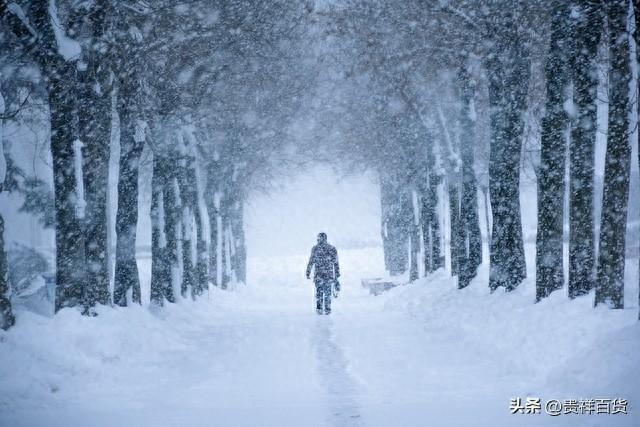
420 355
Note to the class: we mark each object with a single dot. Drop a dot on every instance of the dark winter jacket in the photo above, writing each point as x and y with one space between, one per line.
325 259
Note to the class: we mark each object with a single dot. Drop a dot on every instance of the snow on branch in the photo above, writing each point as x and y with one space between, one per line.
67 47
17 11
453 157
141 130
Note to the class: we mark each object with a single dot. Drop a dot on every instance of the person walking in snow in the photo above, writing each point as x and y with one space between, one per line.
324 260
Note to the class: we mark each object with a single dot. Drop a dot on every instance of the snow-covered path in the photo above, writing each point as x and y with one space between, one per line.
419 355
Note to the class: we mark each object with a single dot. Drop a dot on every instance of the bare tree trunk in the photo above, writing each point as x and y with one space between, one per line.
239 242
172 230
586 30
212 201
95 132
636 10
201 243
6 315
425 222
187 202
469 239
160 276
131 145
508 69
225 255
94 125
549 240
611 257
70 253
414 237
59 76
454 226
398 213
161 230
225 250
399 229
384 222
487 216
433 259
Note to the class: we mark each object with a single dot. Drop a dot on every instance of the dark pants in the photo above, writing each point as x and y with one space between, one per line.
323 295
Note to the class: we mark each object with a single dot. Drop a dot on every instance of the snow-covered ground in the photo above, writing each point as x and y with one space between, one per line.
422 354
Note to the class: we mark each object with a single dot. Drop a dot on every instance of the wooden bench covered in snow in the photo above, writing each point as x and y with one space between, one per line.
379 285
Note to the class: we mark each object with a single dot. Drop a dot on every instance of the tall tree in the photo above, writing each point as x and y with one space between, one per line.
212 201
131 145
202 259
430 223
133 130
611 255
414 238
161 257
43 35
587 22
455 237
508 66
188 205
6 315
398 217
549 239
239 245
469 237
59 65
94 127
636 34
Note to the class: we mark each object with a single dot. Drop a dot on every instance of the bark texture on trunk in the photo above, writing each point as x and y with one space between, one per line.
161 230
611 256
94 125
70 247
433 259
131 145
508 68
6 314
587 22
549 240
470 239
